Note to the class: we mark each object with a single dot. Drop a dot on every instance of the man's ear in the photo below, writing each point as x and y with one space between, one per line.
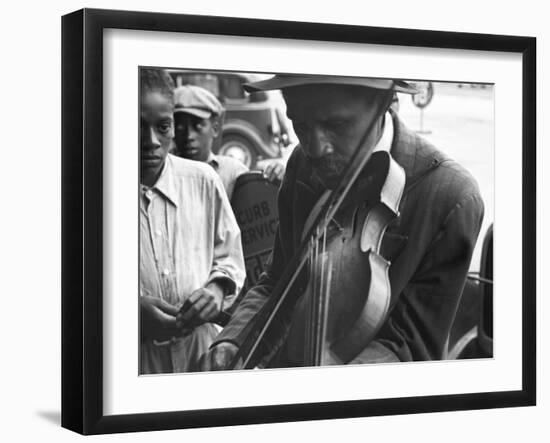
216 126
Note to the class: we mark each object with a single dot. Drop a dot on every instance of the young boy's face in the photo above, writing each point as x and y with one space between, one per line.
156 134
194 136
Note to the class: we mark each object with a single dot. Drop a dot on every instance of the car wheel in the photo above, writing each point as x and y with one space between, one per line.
239 148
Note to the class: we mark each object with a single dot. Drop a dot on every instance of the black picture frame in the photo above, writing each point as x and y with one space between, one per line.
82 218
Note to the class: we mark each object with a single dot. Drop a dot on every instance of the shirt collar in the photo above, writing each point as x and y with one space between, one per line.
385 142
213 161
165 184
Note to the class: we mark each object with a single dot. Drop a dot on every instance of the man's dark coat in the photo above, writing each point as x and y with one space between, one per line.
429 246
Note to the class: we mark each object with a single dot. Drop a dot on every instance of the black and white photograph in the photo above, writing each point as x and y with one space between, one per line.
293 220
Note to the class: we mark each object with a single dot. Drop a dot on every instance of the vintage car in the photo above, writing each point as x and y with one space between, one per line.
472 333
255 127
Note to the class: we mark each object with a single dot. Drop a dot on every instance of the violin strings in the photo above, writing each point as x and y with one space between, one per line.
320 302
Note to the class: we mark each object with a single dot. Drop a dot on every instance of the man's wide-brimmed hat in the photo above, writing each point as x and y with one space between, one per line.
283 81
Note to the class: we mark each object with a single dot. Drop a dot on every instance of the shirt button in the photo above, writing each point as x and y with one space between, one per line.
158 232
149 193
165 272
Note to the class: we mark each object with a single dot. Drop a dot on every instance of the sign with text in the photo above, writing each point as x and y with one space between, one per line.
254 203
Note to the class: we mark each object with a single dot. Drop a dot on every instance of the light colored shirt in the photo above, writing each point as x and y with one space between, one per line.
385 142
188 238
229 170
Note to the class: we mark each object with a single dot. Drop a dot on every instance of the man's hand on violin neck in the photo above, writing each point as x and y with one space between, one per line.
219 357
203 305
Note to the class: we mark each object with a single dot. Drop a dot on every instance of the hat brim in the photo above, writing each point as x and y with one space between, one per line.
201 113
283 81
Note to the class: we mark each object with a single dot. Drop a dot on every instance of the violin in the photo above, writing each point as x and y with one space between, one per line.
348 293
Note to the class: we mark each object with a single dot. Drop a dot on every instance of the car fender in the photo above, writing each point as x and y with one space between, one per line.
245 129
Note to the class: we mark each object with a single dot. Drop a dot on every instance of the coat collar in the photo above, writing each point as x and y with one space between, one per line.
415 155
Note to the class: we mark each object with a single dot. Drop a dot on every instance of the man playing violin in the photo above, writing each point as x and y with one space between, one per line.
429 244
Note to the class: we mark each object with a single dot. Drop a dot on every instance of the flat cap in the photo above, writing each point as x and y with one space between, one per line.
282 81
196 101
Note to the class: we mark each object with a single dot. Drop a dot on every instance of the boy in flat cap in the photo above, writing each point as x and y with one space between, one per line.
429 244
191 260
198 118
197 123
